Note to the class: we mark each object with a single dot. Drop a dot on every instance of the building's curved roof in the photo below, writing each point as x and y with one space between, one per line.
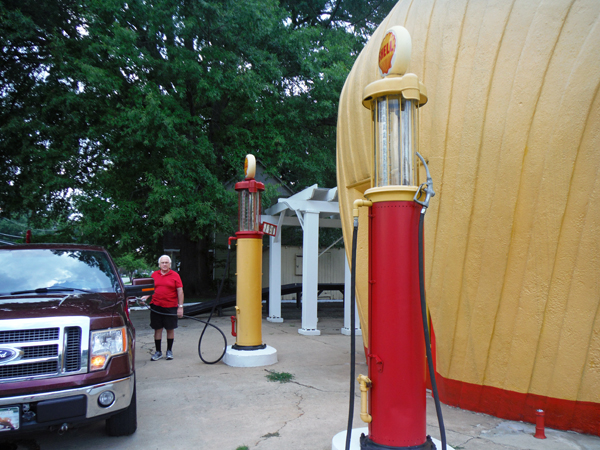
512 135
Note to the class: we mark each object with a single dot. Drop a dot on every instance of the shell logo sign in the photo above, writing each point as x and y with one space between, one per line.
394 52
387 53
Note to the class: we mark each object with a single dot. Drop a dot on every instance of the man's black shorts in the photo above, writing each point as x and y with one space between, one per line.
167 318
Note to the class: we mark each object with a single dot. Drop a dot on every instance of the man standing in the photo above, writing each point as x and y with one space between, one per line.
166 305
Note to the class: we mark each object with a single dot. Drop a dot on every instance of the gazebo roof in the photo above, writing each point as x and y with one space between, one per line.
313 199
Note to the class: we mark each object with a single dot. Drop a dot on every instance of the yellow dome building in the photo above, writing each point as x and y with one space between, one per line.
511 133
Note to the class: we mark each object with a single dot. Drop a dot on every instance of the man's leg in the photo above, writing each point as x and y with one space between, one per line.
157 338
170 338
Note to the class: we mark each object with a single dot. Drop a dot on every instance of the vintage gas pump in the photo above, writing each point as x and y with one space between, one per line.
393 393
249 349
396 353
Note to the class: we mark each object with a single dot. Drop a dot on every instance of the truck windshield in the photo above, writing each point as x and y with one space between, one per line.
55 270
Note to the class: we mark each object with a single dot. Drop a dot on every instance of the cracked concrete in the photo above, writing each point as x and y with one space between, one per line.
184 404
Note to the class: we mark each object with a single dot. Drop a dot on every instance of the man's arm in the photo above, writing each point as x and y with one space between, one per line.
180 301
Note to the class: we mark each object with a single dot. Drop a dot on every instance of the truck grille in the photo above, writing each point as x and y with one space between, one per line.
73 349
39 351
44 352
46 334
28 370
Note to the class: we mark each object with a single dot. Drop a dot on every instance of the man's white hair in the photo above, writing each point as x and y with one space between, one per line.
164 256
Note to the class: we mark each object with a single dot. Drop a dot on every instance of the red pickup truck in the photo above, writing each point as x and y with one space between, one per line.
66 341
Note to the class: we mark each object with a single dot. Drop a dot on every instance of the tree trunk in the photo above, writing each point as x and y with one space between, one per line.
193 263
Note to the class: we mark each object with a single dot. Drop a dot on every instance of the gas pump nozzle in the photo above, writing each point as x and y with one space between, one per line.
426 187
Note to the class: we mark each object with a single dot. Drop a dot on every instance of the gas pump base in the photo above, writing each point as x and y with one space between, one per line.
339 441
250 358
368 444
248 347
348 332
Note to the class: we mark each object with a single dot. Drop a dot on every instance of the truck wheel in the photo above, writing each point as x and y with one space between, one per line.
123 423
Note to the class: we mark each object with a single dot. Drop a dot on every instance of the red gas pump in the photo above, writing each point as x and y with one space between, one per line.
397 338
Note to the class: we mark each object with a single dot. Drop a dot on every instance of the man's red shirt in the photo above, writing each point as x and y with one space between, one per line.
165 289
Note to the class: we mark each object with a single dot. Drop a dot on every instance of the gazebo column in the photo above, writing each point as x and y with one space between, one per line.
275 278
347 301
310 274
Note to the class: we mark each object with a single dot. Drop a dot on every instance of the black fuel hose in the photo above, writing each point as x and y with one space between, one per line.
438 407
352 335
207 323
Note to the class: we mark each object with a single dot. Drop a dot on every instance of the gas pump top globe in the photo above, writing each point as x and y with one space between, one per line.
249 167
394 52
249 202
394 102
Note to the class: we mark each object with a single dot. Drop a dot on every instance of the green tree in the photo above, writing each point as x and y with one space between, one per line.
125 120
131 264
38 135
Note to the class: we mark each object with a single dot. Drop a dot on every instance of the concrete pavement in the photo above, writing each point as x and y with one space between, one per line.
185 404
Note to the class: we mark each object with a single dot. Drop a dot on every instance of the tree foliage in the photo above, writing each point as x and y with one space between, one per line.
125 119
133 266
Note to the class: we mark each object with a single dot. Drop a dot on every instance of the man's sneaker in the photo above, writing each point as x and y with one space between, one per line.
156 356
169 354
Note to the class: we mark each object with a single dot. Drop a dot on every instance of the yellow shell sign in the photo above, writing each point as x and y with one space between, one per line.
386 52
249 167
394 52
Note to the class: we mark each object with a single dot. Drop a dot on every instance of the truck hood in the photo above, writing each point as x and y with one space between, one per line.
52 305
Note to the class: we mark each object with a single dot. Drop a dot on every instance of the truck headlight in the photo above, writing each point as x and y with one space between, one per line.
106 344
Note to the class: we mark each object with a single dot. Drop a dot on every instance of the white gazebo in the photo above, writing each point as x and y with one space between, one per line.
311 209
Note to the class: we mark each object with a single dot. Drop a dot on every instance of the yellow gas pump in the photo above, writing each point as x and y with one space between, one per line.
249 350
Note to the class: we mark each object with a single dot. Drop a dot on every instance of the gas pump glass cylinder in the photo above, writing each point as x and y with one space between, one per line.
396 140
249 210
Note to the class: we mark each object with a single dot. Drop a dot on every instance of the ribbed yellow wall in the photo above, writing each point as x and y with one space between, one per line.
512 135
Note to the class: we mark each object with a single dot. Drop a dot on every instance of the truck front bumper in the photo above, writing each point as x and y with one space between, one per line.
42 410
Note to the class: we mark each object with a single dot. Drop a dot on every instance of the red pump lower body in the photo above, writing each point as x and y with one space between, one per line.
396 353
